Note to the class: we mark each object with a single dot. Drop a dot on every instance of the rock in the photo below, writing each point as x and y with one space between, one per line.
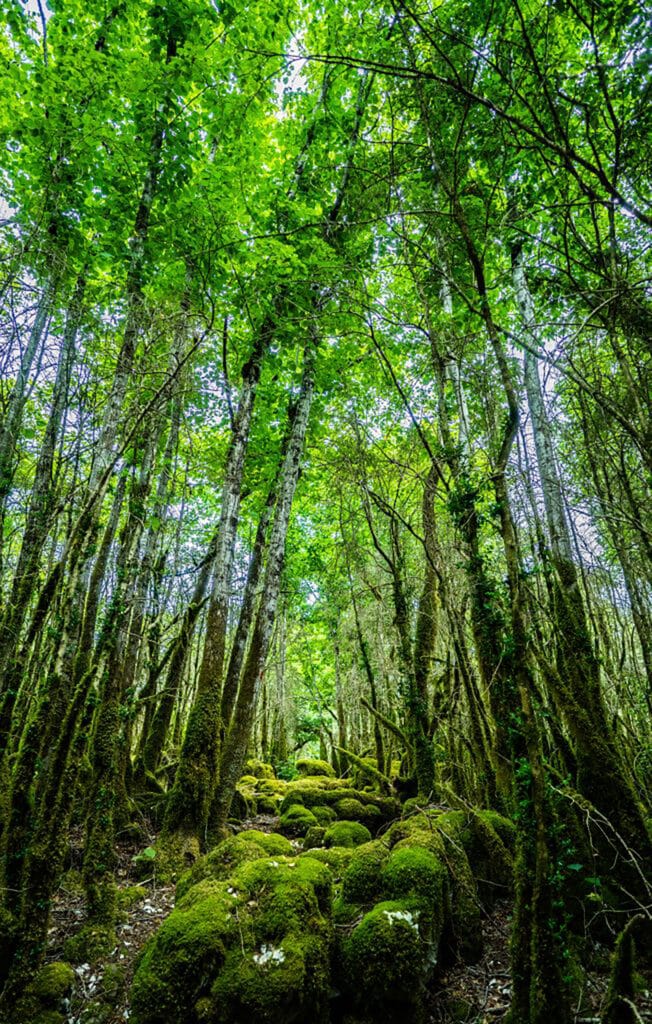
308 767
346 833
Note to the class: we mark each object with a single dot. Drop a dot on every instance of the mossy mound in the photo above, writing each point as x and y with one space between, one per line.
361 882
352 809
335 857
189 948
222 861
415 871
255 948
90 943
329 792
324 815
314 837
42 1000
441 835
314 767
267 804
259 769
346 833
386 960
297 820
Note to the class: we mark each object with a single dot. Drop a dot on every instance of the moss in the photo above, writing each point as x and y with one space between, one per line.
415 871
442 834
253 948
243 804
297 820
220 863
272 843
53 983
259 769
314 837
268 804
352 809
336 858
621 983
128 897
272 787
328 792
274 984
465 921
247 780
504 828
306 874
385 962
41 1002
306 766
187 951
113 983
89 944
324 815
361 882
347 833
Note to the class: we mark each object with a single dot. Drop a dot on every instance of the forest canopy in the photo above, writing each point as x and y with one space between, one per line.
325 473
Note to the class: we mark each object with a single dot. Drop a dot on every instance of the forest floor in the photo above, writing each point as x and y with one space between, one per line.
461 993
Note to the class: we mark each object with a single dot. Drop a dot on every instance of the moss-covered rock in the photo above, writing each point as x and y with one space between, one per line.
361 882
42 1000
324 815
328 792
255 948
335 857
442 834
386 960
272 787
222 861
346 833
267 804
314 837
415 871
352 809
90 943
297 820
186 953
259 769
314 767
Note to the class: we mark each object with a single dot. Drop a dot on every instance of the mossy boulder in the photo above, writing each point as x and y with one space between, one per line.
272 787
311 792
347 833
259 769
188 950
361 882
353 809
42 1000
255 948
324 815
297 820
90 943
222 861
267 804
441 834
386 960
335 857
314 767
314 837
415 871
